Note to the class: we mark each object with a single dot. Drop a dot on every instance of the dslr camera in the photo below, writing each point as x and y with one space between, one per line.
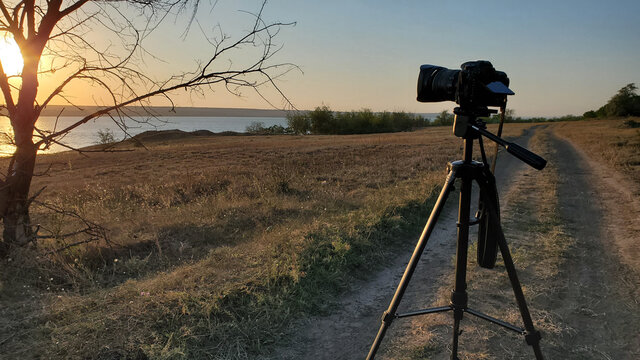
476 85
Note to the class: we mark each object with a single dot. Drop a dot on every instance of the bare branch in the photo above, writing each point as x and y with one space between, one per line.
29 9
204 77
92 230
114 70
6 91
9 20
73 7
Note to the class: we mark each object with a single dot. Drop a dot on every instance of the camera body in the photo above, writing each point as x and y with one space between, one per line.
476 85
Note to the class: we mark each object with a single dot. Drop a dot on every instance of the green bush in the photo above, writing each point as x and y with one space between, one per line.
299 123
444 118
624 103
257 128
105 137
324 121
631 124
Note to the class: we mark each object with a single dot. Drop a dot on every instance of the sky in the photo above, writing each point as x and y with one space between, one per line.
562 56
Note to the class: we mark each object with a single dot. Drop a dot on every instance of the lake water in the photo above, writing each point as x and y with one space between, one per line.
87 134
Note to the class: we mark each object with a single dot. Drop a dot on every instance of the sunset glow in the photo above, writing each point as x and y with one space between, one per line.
10 56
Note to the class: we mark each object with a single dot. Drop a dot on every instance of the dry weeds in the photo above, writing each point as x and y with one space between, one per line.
538 245
216 242
574 284
613 141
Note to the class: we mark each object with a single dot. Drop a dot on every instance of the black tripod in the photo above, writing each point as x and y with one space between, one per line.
468 127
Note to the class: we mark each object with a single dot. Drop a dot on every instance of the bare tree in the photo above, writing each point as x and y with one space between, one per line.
60 30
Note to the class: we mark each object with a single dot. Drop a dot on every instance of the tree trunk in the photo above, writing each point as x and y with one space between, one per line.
14 191
14 196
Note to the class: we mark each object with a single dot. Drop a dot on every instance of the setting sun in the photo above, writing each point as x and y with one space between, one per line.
10 56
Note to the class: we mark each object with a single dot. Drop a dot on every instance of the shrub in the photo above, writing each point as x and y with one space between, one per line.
322 121
624 103
299 122
631 124
444 118
256 127
105 137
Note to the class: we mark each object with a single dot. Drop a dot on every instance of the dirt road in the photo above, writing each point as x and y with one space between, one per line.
599 300
582 296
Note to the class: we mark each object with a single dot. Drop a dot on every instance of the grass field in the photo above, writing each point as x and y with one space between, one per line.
215 243
573 261
615 143
539 246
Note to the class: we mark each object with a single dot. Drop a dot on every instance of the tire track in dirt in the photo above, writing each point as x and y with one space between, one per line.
620 207
580 294
597 304
349 331
587 310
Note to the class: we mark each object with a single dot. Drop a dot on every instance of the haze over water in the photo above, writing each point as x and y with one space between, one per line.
87 134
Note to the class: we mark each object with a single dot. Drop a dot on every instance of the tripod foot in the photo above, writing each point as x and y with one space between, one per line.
533 338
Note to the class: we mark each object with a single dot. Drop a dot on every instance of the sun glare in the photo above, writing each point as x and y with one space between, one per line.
10 56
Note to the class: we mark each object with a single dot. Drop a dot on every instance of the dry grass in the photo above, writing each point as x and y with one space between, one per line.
216 242
539 246
615 142
571 282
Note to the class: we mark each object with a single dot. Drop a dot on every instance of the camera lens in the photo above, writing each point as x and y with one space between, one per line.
436 83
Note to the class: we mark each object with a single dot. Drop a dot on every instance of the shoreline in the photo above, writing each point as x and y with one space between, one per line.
161 111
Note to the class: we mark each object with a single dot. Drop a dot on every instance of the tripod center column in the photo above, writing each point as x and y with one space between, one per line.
464 211
459 293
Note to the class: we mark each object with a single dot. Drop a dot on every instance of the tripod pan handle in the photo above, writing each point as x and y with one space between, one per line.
525 155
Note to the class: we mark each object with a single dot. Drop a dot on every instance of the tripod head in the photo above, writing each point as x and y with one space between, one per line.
468 125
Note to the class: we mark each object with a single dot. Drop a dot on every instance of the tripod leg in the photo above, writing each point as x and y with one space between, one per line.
389 315
459 294
532 336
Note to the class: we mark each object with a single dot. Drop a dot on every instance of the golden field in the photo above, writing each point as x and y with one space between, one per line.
215 243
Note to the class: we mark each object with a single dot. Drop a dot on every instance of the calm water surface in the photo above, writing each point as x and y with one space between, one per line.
87 134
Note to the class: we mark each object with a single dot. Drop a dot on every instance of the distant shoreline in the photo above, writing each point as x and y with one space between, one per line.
66 110
55 110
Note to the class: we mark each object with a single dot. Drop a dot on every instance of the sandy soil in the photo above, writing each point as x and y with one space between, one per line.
595 310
